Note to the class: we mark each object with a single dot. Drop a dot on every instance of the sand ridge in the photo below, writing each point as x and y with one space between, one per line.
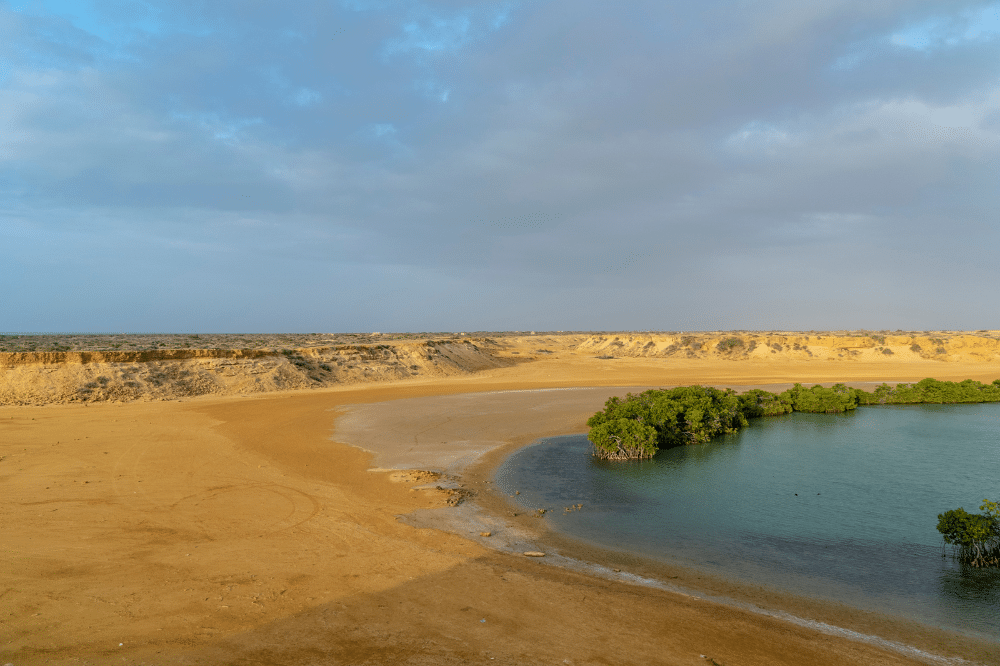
77 369
243 530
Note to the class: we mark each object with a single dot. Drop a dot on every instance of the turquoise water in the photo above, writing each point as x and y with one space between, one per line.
841 507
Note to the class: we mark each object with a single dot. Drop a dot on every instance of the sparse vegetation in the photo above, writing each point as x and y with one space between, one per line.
76 342
729 344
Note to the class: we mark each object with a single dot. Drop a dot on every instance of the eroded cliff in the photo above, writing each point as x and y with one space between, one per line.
28 378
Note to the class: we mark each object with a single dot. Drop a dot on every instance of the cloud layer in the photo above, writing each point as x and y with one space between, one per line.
398 165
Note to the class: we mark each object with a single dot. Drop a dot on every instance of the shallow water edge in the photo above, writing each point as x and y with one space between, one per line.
895 633
531 415
826 506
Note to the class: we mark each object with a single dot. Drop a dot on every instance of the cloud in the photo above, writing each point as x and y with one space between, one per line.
503 165
949 30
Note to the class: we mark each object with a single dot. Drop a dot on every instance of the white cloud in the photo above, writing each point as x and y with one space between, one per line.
758 137
918 123
583 142
307 96
949 30
435 30
383 130
432 34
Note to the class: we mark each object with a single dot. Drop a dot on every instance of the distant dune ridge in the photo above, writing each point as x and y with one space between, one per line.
936 346
167 367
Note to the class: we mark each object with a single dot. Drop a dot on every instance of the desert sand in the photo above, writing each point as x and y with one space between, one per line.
264 526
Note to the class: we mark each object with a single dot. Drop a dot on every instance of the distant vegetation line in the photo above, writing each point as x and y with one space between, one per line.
731 344
61 342
638 425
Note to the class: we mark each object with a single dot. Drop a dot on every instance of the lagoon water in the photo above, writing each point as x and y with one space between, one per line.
841 507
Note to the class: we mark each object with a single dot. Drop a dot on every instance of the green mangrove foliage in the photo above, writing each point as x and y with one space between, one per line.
834 400
757 402
638 425
975 537
931 391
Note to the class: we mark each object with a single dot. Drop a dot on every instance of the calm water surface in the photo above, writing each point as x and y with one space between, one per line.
842 507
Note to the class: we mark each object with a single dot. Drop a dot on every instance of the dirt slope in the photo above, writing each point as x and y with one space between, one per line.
82 376
35 378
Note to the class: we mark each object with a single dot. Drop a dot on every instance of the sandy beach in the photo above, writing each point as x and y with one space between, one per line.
319 527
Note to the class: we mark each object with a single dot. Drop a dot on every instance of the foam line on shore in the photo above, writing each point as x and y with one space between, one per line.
471 518
822 627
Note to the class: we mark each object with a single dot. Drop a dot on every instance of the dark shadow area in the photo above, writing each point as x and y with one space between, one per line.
500 609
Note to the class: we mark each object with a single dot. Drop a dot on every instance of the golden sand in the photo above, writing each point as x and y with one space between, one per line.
232 530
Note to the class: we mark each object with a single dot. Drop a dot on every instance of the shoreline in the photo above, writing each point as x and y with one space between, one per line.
825 615
241 529
514 530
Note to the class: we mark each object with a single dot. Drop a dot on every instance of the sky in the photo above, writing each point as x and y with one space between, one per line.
445 165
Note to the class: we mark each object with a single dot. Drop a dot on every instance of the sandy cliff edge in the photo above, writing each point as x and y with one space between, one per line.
88 376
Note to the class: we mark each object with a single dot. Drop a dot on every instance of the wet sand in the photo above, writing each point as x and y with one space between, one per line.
245 531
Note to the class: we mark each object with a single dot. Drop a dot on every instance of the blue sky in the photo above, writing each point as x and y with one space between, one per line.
358 165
